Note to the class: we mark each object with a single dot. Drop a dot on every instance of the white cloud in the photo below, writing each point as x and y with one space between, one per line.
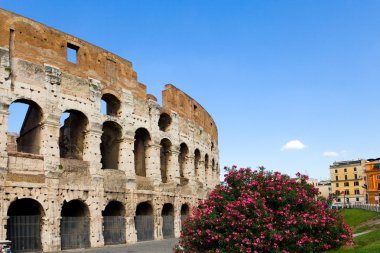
293 145
330 154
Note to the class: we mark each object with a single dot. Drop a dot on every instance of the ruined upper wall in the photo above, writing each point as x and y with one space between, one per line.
37 43
178 101
30 41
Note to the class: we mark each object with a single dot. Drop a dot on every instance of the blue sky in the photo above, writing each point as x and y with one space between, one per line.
269 72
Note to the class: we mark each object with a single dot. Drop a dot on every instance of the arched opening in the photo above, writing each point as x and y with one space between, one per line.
25 122
75 225
182 159
72 134
185 210
197 158
142 139
164 122
168 221
114 223
207 172
144 222
165 156
110 145
213 168
24 225
110 105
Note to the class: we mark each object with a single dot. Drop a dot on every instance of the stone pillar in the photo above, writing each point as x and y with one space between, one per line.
158 221
152 163
128 159
201 171
4 114
130 233
173 167
190 170
50 233
91 151
49 144
96 218
177 221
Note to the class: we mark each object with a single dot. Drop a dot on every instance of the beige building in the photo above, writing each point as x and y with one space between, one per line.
324 188
347 181
76 177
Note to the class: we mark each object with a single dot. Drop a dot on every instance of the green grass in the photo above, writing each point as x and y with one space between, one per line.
368 243
354 217
360 221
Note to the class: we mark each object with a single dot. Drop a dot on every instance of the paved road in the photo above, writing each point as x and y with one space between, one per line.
163 246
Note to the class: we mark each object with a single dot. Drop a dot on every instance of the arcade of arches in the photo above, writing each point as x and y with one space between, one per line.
87 157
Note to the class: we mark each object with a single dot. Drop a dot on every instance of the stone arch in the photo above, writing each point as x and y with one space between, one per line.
182 159
110 104
207 172
197 158
144 221
165 156
72 134
24 225
75 225
167 221
164 122
214 174
110 145
185 211
114 223
141 146
28 138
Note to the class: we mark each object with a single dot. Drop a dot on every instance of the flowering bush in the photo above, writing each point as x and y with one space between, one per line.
260 211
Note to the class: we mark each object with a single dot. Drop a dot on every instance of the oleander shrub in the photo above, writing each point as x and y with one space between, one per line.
262 211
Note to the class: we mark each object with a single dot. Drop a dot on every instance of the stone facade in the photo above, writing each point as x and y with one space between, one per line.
132 160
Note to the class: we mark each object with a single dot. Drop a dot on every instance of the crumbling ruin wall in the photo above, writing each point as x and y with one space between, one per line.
136 152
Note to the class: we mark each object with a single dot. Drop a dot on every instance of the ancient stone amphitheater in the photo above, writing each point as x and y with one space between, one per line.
97 160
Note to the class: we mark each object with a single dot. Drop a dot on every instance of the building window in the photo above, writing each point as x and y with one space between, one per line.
378 177
336 171
337 192
356 176
378 186
345 177
337 184
336 178
347 192
357 192
345 170
72 52
338 200
355 169
356 183
346 184
357 199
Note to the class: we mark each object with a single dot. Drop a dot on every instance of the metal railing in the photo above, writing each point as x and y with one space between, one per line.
368 207
24 232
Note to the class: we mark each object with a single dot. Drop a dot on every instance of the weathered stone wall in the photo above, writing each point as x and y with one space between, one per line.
35 70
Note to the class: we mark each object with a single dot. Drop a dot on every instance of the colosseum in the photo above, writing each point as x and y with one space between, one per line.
97 161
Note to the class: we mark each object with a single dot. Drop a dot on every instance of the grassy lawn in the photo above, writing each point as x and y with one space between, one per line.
354 217
359 221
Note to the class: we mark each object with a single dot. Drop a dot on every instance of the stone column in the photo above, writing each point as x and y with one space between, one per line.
96 218
91 151
4 114
130 233
173 167
152 163
158 221
128 159
49 144
201 171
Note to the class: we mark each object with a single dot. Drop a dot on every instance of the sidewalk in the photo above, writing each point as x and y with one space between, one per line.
163 246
